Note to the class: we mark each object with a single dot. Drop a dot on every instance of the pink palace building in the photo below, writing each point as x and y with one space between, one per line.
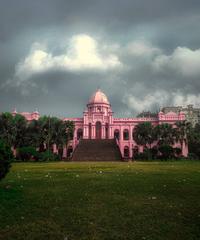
98 122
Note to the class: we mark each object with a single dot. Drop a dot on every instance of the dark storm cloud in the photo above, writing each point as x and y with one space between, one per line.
166 25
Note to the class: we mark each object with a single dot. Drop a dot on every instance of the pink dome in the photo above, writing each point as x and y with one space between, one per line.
99 97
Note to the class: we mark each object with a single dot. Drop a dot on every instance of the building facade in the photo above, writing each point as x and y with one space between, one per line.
98 122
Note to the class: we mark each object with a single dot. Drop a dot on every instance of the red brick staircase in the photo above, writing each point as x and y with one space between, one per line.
97 150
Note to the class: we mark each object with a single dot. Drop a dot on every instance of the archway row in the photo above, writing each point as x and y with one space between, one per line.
126 134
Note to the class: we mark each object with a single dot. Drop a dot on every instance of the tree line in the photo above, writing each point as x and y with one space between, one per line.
166 136
35 139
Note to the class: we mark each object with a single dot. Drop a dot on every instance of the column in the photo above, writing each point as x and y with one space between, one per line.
110 136
103 131
121 134
55 150
85 132
93 132
65 152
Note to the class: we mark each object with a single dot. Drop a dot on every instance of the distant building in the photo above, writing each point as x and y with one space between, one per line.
192 114
28 115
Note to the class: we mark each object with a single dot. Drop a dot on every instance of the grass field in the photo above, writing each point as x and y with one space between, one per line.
97 201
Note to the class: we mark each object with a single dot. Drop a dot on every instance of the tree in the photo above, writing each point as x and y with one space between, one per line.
165 134
182 132
7 128
40 134
167 152
13 129
144 134
27 153
33 134
19 130
62 132
44 132
6 157
194 141
47 131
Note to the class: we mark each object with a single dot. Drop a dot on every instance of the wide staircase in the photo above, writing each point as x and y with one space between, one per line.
97 150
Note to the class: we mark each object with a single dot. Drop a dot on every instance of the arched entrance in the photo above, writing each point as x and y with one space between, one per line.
116 134
69 152
126 152
90 131
98 130
79 133
107 129
135 151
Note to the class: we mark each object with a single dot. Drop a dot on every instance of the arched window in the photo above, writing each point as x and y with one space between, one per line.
126 152
99 109
90 131
98 130
126 134
69 152
135 151
116 134
106 130
79 133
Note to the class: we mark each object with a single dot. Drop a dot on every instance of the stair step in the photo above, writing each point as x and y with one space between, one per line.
97 150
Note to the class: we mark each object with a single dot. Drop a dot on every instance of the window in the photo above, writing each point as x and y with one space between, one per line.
126 152
126 134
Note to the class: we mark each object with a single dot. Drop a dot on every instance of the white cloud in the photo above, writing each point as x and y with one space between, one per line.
183 61
147 102
160 98
82 54
138 60
141 48
181 99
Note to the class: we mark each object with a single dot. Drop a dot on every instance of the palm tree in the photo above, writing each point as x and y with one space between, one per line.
13 129
183 130
7 130
165 134
144 134
32 136
44 133
19 131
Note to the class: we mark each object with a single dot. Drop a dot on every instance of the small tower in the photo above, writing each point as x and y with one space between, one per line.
35 115
14 112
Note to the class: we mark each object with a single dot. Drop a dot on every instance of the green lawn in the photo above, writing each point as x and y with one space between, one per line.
90 201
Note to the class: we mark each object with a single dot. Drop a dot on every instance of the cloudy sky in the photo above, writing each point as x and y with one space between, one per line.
54 54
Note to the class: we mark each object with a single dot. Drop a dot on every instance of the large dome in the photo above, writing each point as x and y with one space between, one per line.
98 97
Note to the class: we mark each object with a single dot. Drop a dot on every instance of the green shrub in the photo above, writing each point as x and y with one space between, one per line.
27 154
6 157
48 156
177 152
147 154
144 156
167 152
192 156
